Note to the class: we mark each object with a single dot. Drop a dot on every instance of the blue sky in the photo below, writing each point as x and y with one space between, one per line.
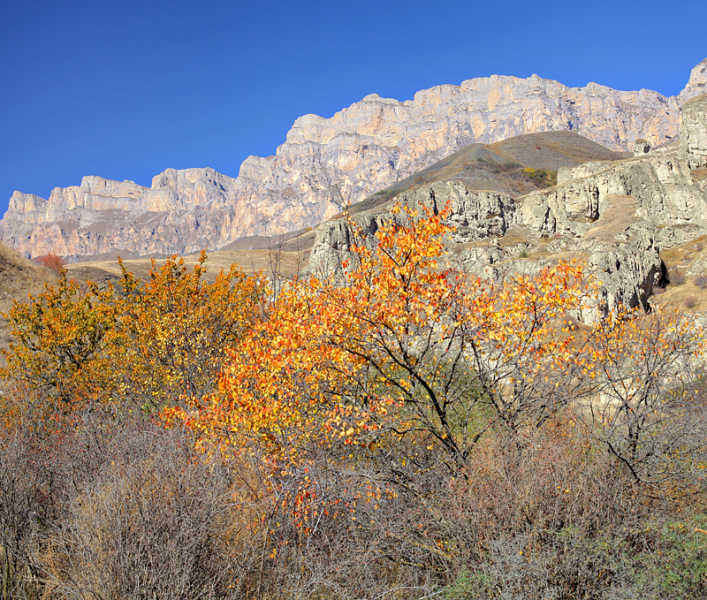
127 89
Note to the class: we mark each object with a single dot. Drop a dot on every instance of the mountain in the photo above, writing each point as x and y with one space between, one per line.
327 163
515 166
625 219
500 166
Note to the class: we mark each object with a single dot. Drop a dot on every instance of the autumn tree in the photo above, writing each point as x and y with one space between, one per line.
141 344
59 341
176 327
51 261
406 348
649 412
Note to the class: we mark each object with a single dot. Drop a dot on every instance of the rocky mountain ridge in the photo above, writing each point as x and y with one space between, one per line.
326 163
617 216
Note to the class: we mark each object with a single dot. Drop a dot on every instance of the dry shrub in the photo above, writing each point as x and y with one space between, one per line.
550 515
51 261
134 512
701 281
338 542
22 510
156 519
691 301
676 277
537 483
155 522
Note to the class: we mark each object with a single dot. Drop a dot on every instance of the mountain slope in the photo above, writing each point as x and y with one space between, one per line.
500 166
627 220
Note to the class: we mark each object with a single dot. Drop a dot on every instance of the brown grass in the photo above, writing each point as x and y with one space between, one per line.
684 254
615 219
19 277
286 263
553 149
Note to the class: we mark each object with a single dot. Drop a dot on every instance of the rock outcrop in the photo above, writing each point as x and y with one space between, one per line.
617 216
183 211
326 163
693 141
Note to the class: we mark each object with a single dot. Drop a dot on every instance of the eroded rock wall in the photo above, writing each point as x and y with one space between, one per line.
617 217
328 162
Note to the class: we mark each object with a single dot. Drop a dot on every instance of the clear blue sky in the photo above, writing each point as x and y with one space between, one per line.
125 89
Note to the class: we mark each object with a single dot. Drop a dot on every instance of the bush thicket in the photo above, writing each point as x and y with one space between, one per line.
410 432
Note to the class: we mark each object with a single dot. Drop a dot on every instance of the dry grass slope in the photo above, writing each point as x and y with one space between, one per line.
19 277
500 166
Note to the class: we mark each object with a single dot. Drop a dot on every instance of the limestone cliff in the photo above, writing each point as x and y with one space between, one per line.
617 216
327 162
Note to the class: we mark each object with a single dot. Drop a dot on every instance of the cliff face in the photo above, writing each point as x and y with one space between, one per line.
617 216
327 162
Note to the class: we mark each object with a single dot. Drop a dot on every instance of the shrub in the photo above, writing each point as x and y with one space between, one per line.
647 415
657 562
676 277
51 261
541 177
20 516
701 281
691 301
148 345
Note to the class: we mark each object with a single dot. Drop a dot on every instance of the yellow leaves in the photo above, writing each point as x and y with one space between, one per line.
149 344
178 327
58 341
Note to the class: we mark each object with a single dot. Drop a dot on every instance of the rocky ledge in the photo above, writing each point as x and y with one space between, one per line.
616 216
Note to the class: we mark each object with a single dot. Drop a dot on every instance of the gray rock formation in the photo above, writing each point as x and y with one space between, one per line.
616 216
693 142
641 147
325 163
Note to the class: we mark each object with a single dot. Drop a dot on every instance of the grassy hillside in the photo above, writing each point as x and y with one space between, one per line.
502 166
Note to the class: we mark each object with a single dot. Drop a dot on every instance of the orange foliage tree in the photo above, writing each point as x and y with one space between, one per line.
51 261
176 326
405 349
59 340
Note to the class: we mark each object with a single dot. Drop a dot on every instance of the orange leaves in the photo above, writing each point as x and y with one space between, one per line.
404 347
275 385
50 261
59 339
177 326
